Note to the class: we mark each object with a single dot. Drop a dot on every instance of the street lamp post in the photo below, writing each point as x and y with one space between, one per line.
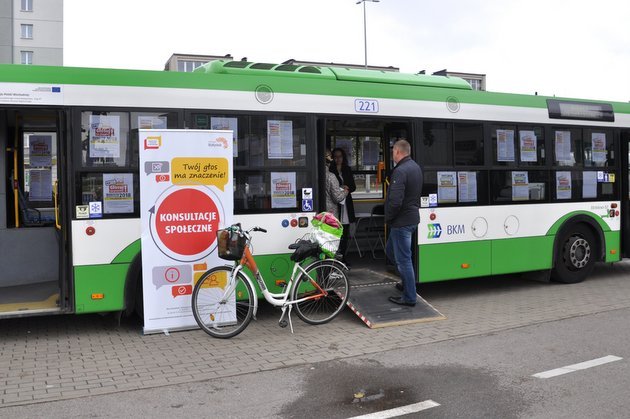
365 27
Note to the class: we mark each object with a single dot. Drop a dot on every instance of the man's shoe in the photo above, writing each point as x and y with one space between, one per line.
401 302
399 286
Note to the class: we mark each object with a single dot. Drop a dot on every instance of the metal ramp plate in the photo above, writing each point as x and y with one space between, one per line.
369 291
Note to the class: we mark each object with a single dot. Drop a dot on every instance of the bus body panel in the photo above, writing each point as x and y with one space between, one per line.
464 242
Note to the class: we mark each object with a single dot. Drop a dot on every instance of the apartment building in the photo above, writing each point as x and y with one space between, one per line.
31 32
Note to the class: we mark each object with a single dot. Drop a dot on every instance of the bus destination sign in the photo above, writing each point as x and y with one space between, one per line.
587 111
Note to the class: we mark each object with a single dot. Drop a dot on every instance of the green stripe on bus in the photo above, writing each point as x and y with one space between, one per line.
522 254
440 262
613 246
553 230
108 280
128 253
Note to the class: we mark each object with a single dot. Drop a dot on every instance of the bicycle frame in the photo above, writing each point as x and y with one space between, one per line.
275 299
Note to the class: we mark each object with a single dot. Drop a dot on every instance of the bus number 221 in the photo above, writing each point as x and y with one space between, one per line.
366 105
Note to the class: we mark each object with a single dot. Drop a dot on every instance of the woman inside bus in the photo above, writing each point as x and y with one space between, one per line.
341 169
334 192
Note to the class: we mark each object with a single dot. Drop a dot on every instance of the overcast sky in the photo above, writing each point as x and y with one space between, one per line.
568 48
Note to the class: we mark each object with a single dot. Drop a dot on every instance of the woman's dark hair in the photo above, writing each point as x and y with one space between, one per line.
344 157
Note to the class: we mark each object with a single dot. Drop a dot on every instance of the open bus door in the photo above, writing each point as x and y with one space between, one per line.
367 142
31 228
625 193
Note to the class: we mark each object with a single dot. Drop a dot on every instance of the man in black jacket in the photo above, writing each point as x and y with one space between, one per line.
402 216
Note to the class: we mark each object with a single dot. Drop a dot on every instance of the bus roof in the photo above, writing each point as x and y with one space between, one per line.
332 73
285 78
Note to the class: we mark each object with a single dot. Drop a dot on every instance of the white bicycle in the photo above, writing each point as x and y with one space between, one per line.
224 299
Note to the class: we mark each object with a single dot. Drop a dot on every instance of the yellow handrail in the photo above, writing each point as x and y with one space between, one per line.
55 193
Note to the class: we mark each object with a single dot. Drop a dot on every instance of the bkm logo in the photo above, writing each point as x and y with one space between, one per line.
435 231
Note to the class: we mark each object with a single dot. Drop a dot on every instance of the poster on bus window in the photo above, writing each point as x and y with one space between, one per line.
563 146
528 144
346 145
563 185
186 196
117 193
598 147
467 186
104 136
520 186
280 139
589 185
40 185
505 145
40 150
447 187
283 190
227 124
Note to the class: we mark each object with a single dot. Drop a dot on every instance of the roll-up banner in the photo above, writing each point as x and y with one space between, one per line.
186 195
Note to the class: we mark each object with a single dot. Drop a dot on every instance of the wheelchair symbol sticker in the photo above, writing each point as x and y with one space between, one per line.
307 205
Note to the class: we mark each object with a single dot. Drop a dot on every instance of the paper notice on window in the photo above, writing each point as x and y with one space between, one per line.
152 122
283 190
528 142
117 193
563 185
589 185
598 147
40 185
346 144
520 186
447 187
280 139
467 186
505 145
228 124
40 150
104 136
370 149
563 146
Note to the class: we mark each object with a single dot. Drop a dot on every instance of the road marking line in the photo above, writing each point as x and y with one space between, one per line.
399 411
577 367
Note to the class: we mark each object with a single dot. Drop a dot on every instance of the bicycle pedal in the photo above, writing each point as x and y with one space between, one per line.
283 323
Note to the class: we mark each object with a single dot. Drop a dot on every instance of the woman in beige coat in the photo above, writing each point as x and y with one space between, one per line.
334 192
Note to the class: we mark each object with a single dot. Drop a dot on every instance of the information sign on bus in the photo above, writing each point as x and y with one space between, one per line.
587 111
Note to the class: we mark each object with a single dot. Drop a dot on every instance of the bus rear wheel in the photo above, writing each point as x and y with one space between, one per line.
575 255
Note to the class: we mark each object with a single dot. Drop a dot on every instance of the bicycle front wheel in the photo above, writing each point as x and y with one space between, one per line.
325 290
219 312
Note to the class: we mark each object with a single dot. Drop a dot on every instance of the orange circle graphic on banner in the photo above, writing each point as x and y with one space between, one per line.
187 221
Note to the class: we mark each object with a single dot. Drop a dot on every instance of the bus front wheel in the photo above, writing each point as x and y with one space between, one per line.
575 255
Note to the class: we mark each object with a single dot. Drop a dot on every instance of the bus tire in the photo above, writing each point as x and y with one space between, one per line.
576 253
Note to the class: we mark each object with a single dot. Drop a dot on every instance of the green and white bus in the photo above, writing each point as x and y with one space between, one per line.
513 183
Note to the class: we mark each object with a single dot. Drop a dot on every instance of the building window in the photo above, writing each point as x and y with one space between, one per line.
474 83
27 57
27 5
188 66
27 31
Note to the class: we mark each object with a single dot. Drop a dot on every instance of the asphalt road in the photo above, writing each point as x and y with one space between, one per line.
484 376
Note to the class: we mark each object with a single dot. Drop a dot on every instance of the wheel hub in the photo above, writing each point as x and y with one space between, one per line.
579 253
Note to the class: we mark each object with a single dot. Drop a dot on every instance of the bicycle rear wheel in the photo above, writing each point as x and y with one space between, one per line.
327 289
219 314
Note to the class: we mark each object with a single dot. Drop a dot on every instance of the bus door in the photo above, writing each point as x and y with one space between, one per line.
367 143
30 224
625 193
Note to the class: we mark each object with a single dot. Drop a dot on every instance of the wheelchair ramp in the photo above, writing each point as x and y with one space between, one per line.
369 292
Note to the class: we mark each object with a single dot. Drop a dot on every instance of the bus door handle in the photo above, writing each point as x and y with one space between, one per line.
56 199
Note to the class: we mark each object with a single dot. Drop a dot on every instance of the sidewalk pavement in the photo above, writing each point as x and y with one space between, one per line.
63 357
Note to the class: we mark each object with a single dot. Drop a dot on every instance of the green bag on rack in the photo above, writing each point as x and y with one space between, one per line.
327 232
